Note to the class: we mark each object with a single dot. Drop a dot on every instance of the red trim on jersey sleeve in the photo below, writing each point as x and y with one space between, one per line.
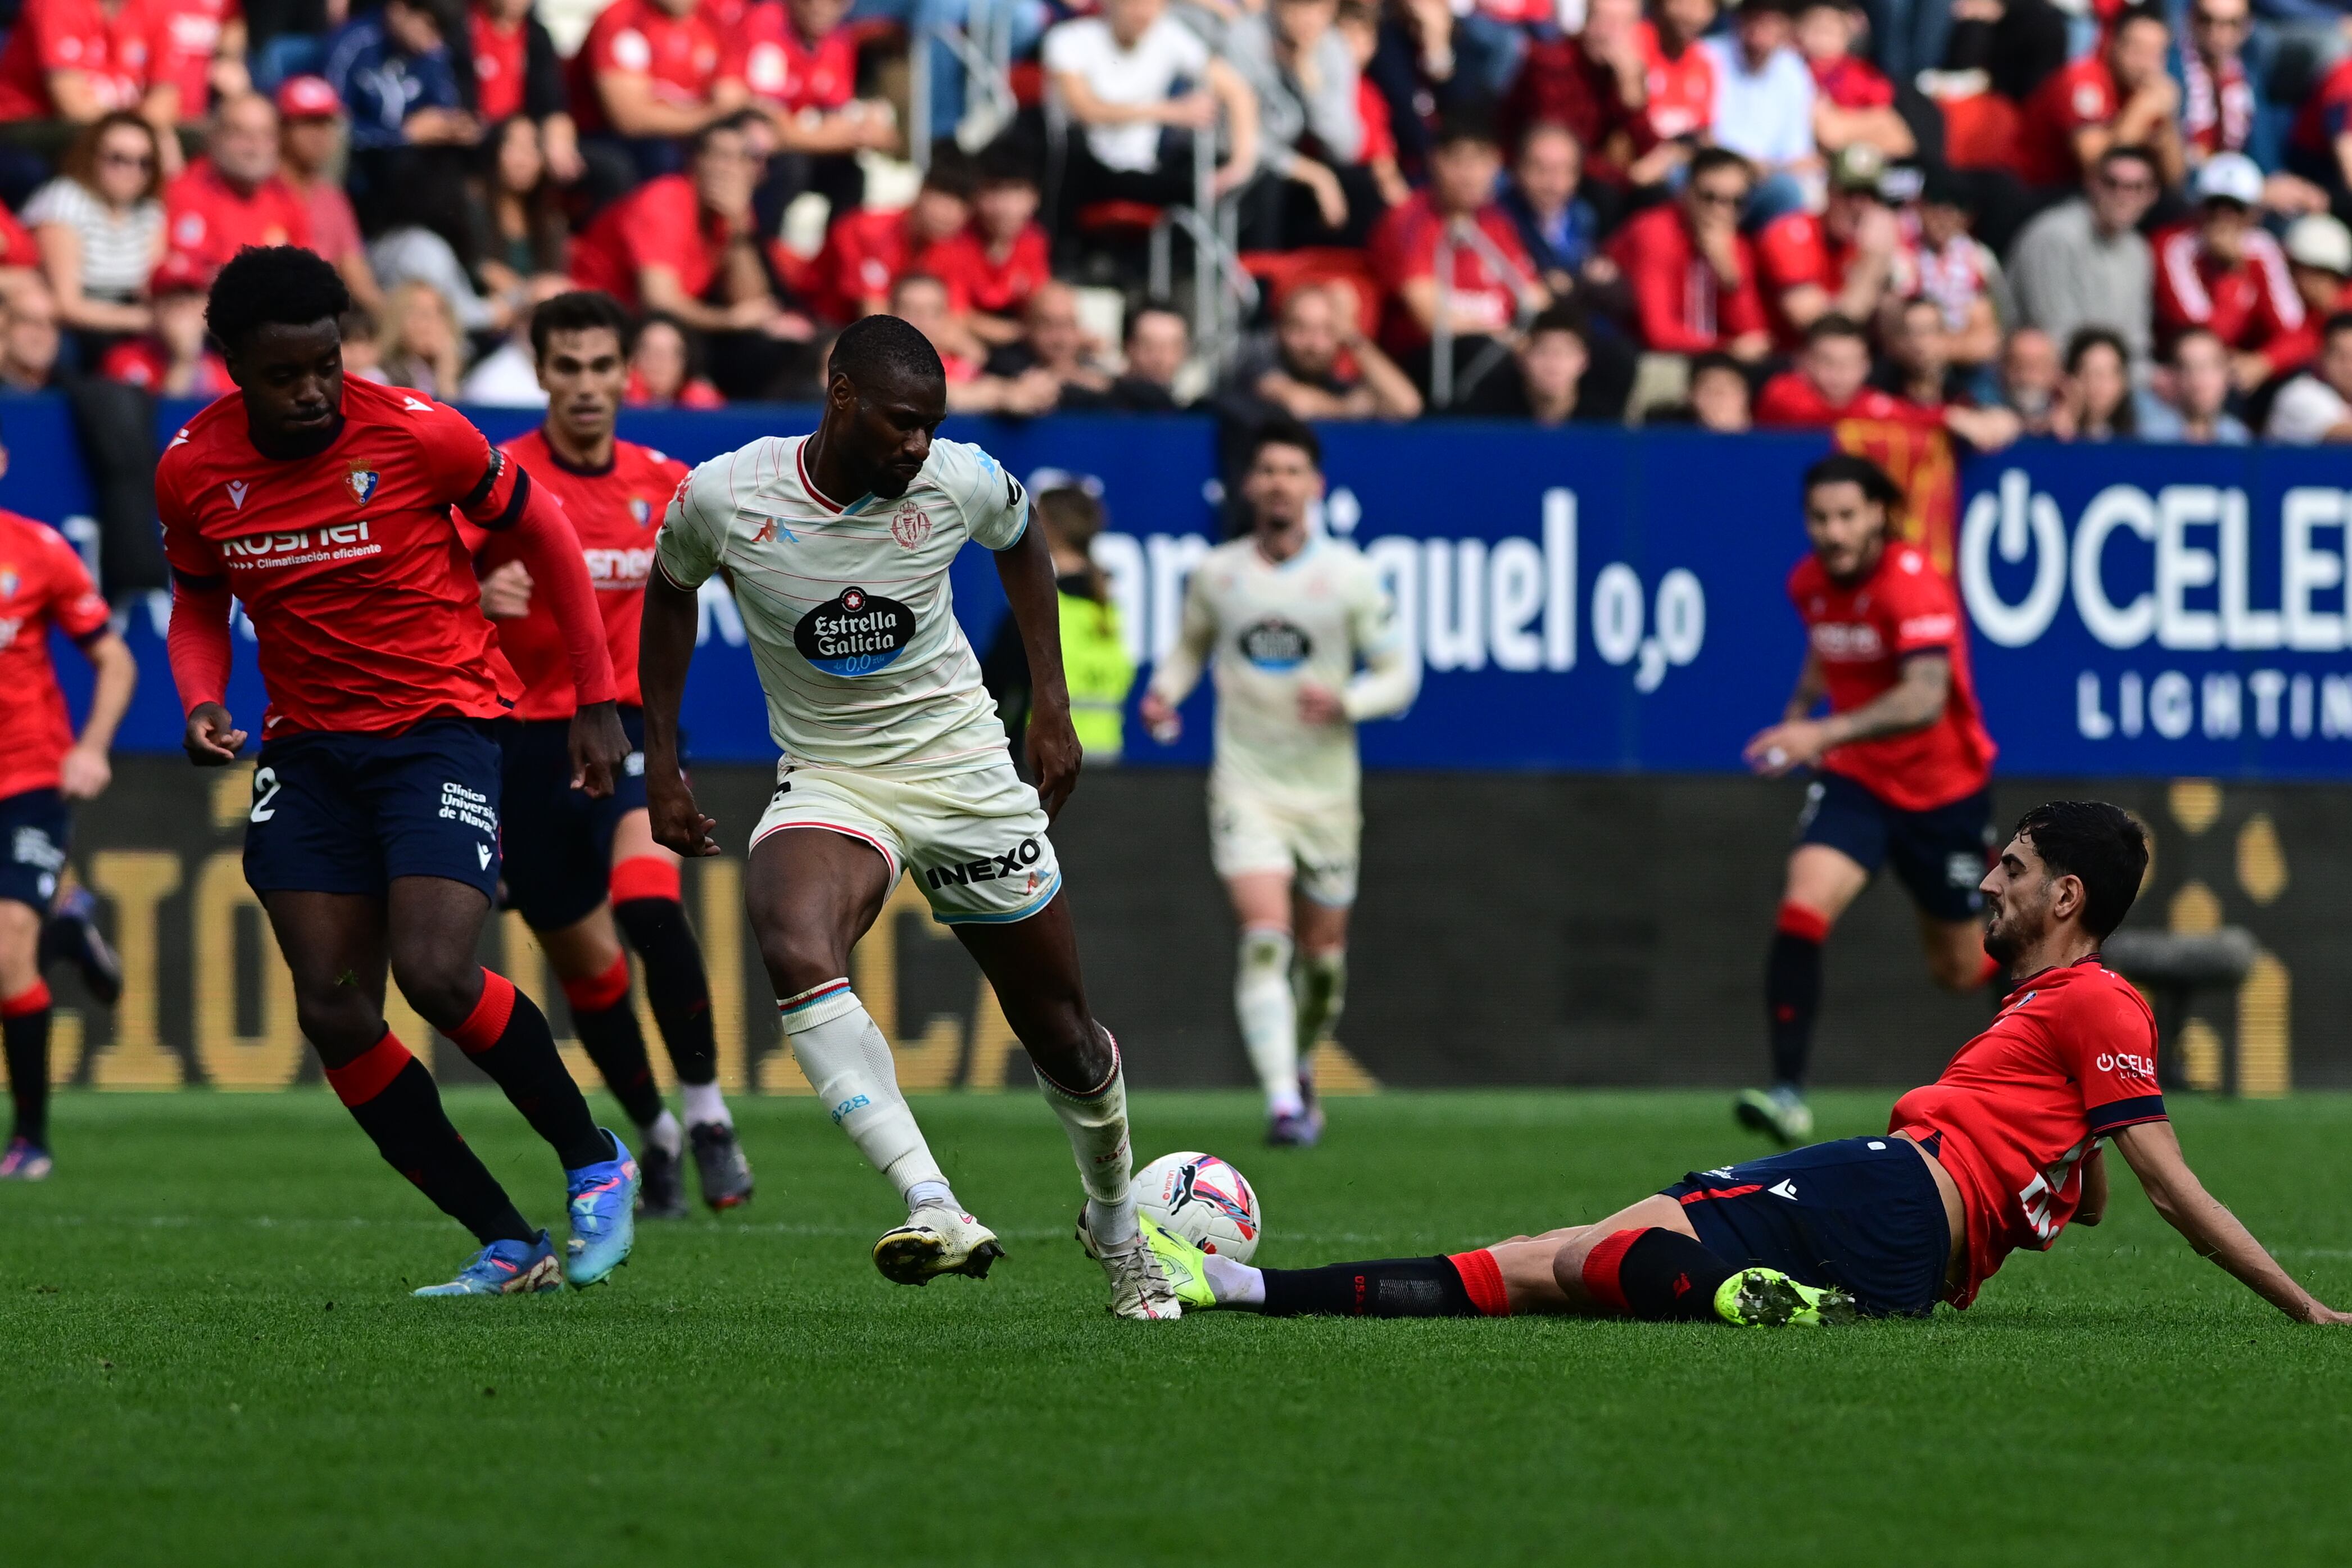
551 550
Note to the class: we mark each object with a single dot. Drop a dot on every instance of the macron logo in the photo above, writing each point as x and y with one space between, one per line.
1787 1189
483 850
410 404
237 488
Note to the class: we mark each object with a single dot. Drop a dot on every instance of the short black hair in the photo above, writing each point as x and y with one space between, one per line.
952 173
275 285
1847 468
1833 325
1715 360
2130 14
877 350
1005 163
2098 843
2341 321
741 121
2130 151
1285 432
581 311
1708 160
2086 339
1471 122
1561 318
1154 308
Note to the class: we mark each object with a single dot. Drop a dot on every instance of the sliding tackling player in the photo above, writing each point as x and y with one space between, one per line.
838 546
1997 1155
1289 616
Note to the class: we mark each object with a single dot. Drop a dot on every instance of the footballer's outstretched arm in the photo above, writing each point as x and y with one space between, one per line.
1181 666
1026 570
666 630
1913 702
2153 1152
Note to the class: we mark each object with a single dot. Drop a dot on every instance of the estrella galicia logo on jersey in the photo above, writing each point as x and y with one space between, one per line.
362 482
856 634
986 868
1275 645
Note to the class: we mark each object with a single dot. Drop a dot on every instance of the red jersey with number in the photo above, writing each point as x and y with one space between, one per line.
784 69
43 583
360 592
615 511
113 52
2070 1059
1863 633
683 57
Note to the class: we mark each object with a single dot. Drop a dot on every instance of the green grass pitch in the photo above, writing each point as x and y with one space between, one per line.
207 1355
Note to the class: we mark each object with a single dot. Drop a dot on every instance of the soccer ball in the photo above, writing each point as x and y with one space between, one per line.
1202 1199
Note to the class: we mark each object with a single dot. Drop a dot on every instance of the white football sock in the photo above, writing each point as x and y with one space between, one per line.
1097 1123
844 1058
664 1133
1233 1284
1269 1015
704 1104
930 1195
1322 995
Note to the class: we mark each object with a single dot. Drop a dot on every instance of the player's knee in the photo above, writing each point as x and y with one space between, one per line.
440 979
1568 1267
796 960
339 1020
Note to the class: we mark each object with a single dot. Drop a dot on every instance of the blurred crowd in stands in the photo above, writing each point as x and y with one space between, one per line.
2071 219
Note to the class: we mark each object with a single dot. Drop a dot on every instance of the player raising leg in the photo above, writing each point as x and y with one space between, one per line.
1904 766
1287 617
894 763
324 506
1998 1154
43 583
584 872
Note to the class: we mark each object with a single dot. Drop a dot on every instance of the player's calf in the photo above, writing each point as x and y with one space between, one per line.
397 1104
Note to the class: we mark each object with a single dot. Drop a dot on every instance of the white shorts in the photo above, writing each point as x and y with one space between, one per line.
1317 845
975 842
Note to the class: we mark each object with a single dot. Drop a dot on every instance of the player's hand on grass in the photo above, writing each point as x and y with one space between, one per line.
84 774
1160 718
678 824
599 747
1321 705
505 592
213 739
1786 747
1053 756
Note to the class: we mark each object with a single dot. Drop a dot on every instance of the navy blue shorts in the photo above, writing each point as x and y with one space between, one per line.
1938 855
36 827
336 812
559 842
1863 1213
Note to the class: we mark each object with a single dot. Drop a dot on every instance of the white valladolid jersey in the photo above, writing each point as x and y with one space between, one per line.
847 609
1269 628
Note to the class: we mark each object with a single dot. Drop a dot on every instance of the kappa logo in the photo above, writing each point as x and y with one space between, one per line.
362 482
910 527
1785 1189
770 528
237 493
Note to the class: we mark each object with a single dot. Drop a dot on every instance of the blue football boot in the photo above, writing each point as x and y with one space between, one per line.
506 1268
603 1210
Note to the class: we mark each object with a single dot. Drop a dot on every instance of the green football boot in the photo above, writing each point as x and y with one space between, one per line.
1768 1299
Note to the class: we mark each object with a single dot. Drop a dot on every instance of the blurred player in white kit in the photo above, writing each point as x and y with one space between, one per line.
1307 648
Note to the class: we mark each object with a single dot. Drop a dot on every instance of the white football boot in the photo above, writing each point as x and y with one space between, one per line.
935 1240
1140 1285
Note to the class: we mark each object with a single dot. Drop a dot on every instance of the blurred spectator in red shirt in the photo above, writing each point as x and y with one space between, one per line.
800 64
1360 25
198 53
309 151
2121 96
864 251
1002 256
1595 83
2223 271
2218 101
1853 103
649 74
1678 77
1492 278
662 371
75 59
1692 275
1843 261
234 196
2319 144
174 359
1316 364
1831 382
518 71
2319 261
20 256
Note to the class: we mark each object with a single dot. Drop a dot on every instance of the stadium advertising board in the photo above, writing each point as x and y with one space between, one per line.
1605 601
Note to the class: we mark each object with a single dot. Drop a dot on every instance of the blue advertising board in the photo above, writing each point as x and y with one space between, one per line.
1604 600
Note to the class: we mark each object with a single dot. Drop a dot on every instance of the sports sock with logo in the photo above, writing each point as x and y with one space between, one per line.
1095 1120
1656 1274
508 1037
25 1028
646 905
843 1054
1465 1285
1792 989
396 1103
1268 1011
607 1027
1322 996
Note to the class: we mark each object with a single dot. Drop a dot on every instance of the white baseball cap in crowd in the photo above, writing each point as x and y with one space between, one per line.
2229 177
2321 241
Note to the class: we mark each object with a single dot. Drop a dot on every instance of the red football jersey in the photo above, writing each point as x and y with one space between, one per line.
211 220
1681 88
2247 304
43 583
360 592
501 59
144 361
187 37
1403 247
113 52
683 57
1680 305
1792 401
782 68
866 251
1000 288
2081 94
2070 1058
615 511
660 223
1862 634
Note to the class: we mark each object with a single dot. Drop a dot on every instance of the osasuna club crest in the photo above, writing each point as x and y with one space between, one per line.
362 482
642 509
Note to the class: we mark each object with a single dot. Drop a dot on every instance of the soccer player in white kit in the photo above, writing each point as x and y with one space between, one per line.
1289 618
837 545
